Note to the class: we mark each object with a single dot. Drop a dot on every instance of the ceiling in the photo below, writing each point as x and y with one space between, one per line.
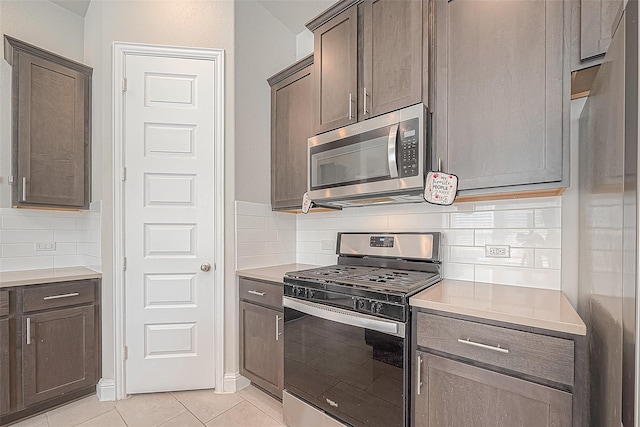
79 7
292 13
295 13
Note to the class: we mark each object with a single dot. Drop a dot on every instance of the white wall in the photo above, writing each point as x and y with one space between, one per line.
264 46
179 23
304 44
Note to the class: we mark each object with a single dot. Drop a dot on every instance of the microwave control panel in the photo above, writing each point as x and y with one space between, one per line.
409 150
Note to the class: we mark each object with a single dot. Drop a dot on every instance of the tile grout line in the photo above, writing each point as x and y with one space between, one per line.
119 414
185 410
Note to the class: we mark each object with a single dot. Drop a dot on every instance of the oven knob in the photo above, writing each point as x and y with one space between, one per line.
310 293
361 303
297 291
376 307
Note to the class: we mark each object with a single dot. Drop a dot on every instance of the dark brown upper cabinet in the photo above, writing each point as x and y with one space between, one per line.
291 126
593 23
502 83
51 128
370 58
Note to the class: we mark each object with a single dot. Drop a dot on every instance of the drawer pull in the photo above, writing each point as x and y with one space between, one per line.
485 346
73 294
260 294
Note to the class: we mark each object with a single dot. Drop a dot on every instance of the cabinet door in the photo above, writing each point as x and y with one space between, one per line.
335 66
501 114
392 59
4 366
59 352
456 394
262 347
596 23
291 126
51 128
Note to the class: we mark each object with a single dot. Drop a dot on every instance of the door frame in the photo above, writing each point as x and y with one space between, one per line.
120 52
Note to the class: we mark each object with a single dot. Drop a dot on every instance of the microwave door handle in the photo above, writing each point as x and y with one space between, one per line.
391 151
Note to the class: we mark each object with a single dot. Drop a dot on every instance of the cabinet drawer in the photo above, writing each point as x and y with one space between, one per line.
58 295
261 292
4 303
532 354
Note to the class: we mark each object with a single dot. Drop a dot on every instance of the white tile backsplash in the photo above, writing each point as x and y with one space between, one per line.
75 235
531 227
263 237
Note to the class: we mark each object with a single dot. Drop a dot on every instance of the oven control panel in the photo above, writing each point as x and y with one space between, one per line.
381 241
409 150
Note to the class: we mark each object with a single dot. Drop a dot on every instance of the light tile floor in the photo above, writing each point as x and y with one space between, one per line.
248 407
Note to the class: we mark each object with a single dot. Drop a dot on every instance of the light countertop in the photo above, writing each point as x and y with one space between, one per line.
539 308
47 275
274 273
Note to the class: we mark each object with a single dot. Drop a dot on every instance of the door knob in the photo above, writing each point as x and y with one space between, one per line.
205 266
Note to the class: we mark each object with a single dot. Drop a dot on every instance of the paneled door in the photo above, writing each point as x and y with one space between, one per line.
168 150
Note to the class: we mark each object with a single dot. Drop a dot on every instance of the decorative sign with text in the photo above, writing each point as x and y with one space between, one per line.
440 188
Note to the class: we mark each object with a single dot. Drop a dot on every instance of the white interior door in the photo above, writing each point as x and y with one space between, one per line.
168 154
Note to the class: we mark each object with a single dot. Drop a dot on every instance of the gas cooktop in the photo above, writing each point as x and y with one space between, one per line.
392 280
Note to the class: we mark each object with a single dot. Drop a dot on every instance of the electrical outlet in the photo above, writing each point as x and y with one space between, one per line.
497 251
328 245
45 246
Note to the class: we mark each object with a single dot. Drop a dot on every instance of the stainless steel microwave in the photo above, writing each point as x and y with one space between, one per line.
377 161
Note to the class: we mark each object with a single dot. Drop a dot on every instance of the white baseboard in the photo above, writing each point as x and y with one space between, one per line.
106 390
234 382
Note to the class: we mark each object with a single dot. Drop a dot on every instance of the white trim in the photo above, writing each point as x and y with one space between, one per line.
234 382
106 390
120 50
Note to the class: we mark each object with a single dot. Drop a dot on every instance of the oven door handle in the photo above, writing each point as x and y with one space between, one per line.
345 316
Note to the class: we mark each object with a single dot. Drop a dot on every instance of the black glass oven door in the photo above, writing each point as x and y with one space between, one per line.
345 365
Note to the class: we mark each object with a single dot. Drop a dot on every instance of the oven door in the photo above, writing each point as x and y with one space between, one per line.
351 366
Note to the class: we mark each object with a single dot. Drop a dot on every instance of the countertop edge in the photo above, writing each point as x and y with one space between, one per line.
50 275
273 273
549 325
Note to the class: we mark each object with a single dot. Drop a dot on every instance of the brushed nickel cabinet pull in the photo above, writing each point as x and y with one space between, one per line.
73 294
278 318
260 294
28 330
485 346
24 188
419 375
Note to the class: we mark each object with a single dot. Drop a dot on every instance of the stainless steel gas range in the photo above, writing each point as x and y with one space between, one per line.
347 331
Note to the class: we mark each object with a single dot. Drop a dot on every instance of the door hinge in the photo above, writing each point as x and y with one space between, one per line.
11 180
124 174
125 352
124 84
124 263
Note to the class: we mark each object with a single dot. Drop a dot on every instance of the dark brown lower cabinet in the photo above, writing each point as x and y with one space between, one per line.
452 393
58 353
49 346
262 347
4 366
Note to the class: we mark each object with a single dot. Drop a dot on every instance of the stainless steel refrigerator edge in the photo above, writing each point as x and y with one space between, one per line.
608 278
